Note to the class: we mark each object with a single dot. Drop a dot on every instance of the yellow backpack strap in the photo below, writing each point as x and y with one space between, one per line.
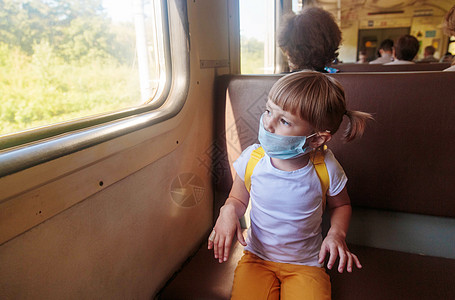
317 158
255 157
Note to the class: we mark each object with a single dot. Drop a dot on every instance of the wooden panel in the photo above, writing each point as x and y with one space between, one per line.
58 190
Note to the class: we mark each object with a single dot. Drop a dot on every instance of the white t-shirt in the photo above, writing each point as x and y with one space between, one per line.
400 62
286 209
385 58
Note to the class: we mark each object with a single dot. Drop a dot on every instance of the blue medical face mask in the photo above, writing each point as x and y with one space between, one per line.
281 146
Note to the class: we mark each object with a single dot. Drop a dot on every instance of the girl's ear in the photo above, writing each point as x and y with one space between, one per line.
320 139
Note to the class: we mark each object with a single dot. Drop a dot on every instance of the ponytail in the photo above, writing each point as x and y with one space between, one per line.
357 124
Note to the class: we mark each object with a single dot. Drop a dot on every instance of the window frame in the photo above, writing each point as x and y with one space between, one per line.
19 151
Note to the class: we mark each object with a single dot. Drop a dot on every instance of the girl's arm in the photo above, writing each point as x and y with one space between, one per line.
335 241
228 223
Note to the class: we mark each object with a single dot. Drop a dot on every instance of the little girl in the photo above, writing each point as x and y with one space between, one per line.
284 251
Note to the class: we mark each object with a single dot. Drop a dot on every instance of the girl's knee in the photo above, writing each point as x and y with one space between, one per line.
309 283
253 289
254 280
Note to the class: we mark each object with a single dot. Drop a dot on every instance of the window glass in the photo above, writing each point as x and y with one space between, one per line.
66 59
451 47
257 37
297 6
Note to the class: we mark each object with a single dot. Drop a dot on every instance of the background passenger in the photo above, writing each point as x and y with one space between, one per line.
449 29
405 50
362 57
385 52
310 39
447 58
428 55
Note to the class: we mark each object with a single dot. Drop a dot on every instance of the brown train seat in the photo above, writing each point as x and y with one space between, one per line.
352 67
400 183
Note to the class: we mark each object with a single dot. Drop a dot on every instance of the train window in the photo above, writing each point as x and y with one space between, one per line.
451 47
23 150
257 36
297 5
62 60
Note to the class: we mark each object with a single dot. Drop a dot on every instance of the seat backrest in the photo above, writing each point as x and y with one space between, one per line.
405 160
391 68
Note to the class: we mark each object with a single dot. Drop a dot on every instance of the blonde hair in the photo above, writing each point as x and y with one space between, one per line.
319 99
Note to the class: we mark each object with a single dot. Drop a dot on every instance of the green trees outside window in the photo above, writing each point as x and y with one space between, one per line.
63 59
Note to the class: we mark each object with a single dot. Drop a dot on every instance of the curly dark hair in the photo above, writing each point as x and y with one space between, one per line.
406 47
310 39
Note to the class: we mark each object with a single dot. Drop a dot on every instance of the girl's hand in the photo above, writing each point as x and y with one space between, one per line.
335 244
221 237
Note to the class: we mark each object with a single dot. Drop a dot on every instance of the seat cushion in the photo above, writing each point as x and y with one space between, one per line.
203 277
390 274
385 274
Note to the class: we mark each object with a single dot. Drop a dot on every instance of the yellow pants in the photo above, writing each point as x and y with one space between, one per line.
255 278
